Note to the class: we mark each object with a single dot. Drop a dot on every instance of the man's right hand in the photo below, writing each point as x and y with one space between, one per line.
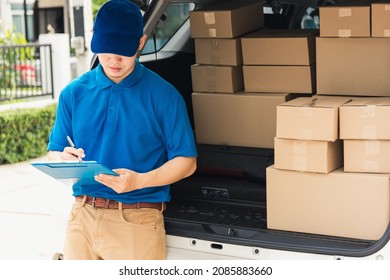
68 154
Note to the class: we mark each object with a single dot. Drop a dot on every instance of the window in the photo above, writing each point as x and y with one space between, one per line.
175 16
51 18
19 19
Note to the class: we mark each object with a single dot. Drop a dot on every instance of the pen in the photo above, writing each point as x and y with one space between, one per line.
72 145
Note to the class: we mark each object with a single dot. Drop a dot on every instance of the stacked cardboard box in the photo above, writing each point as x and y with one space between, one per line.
353 205
365 131
349 60
268 63
227 20
380 20
223 113
345 21
216 32
241 119
353 66
303 193
218 65
321 200
307 134
216 78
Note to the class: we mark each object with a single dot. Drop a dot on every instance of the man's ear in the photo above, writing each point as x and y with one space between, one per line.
142 41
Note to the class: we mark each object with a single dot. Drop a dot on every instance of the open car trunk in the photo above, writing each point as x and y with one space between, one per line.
225 200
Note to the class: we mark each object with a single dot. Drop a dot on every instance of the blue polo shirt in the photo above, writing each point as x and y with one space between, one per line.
138 124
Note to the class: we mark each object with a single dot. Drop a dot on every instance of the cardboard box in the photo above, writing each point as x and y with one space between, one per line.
227 20
241 119
365 118
345 21
380 20
369 156
218 51
307 118
211 78
353 205
353 66
274 47
307 155
293 79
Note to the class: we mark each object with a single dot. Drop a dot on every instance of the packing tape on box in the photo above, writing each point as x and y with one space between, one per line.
209 18
369 132
386 33
372 147
368 112
345 12
344 33
310 103
211 71
387 7
212 32
214 45
211 83
214 51
371 166
215 59
306 112
300 163
299 147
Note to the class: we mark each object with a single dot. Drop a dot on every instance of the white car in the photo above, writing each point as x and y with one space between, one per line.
222 211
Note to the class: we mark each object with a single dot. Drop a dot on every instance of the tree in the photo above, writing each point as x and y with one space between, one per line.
9 37
10 58
96 4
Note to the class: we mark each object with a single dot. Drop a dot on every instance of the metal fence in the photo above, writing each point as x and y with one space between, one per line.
26 71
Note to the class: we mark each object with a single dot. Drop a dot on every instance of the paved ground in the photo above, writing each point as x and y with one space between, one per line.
30 104
33 211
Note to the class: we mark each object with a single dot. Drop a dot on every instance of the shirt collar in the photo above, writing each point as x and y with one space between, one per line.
103 81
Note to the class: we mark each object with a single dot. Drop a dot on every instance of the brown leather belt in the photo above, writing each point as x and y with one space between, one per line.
98 202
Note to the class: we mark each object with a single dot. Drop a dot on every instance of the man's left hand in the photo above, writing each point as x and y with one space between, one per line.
125 182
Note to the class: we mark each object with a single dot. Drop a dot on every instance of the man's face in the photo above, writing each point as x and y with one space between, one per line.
117 67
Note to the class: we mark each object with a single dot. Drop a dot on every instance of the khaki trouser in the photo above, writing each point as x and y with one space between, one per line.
114 234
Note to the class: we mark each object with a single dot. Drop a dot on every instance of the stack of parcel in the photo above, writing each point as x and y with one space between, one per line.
353 64
279 60
225 114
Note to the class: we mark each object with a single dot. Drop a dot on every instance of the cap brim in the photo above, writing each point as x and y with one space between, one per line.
108 43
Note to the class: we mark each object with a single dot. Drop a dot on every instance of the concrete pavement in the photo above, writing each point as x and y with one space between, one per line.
33 211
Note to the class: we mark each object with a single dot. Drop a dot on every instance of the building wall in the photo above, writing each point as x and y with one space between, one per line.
6 15
52 3
46 4
69 21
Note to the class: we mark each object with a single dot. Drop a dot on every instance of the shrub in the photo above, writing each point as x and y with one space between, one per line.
10 57
24 133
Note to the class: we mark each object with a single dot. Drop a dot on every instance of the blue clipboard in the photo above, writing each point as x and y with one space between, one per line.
73 170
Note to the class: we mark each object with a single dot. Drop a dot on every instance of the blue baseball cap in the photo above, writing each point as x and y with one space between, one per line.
118 28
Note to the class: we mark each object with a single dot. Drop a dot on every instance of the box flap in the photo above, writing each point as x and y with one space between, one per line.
281 33
317 102
226 7
378 101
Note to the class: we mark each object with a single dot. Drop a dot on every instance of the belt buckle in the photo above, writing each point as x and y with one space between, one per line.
93 201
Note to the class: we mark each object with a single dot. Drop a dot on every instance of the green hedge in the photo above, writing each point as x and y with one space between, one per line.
24 133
